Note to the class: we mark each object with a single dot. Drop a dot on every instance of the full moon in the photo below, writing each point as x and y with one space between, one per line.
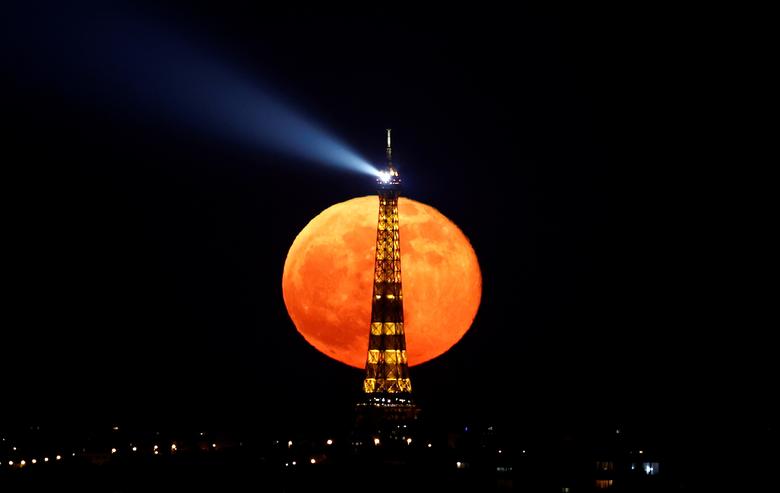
328 280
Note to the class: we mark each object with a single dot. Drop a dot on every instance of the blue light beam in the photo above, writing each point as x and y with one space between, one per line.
140 67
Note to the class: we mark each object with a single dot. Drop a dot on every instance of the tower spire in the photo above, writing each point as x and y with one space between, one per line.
389 178
389 151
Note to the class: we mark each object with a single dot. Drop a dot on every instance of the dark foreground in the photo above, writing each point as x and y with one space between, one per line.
477 458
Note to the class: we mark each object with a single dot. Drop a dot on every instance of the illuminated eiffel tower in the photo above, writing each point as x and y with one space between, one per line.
387 387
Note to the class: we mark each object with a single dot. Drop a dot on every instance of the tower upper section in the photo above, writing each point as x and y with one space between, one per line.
388 178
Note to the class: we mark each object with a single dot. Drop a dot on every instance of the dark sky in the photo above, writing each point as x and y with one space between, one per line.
143 259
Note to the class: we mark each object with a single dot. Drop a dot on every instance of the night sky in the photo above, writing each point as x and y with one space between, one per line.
143 257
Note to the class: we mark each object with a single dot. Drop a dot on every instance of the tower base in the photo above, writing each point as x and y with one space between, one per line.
386 419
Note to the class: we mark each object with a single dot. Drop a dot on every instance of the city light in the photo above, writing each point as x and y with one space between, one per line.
289 444
651 468
638 468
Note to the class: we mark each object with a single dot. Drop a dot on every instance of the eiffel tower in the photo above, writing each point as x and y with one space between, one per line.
387 407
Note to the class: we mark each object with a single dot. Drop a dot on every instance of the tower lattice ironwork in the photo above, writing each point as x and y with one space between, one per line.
387 369
387 387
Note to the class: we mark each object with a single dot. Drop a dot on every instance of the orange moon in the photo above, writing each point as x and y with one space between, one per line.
328 280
